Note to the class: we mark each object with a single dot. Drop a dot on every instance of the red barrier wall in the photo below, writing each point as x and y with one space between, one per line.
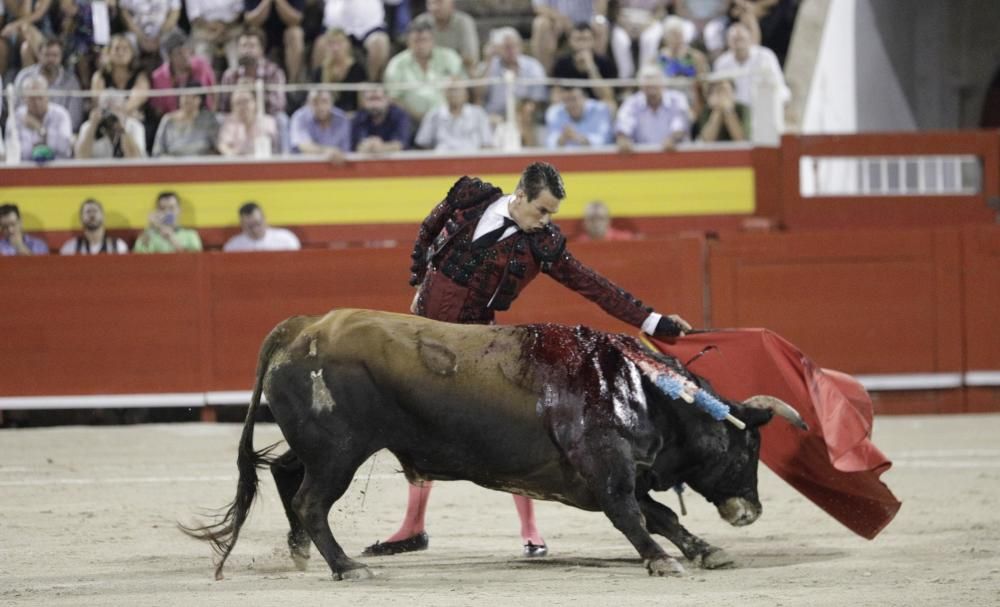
864 302
194 323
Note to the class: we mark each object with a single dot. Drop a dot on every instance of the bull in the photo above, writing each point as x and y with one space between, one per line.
551 412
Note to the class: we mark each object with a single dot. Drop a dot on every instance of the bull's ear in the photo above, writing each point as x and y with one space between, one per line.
752 417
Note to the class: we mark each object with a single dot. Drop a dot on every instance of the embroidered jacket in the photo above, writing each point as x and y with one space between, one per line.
459 283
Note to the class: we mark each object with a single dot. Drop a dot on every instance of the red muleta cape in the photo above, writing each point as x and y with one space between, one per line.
834 464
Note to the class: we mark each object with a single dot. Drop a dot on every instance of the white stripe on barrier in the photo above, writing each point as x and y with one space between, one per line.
982 378
104 401
911 381
145 480
873 383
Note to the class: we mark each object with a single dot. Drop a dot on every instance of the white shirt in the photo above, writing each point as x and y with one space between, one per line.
275 239
760 59
150 15
227 11
102 146
442 130
356 17
493 218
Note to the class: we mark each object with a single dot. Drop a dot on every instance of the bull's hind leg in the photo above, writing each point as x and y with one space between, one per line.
663 521
322 486
288 473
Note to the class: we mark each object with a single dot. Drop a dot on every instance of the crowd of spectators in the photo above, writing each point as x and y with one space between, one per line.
416 52
164 232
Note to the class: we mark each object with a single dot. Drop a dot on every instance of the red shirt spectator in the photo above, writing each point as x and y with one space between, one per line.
181 68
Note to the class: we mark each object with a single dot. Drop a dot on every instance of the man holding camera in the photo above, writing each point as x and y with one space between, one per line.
164 234
110 133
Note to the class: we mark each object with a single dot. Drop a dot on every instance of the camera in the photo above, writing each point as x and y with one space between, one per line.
108 126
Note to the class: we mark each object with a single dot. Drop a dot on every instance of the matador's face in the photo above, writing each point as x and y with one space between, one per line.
533 215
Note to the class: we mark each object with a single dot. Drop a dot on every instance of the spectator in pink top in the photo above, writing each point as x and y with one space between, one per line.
180 68
241 129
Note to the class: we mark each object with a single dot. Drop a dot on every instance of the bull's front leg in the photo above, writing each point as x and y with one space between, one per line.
663 521
605 461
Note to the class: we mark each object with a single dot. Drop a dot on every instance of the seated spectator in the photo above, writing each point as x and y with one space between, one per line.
121 71
21 31
654 115
380 126
281 21
50 66
597 225
338 66
253 65
456 125
724 119
581 63
13 240
637 20
555 19
191 130
180 68
679 60
709 19
529 96
164 234
95 239
320 128
750 58
577 121
148 22
453 29
256 235
243 130
110 132
364 22
215 26
44 129
424 64
78 20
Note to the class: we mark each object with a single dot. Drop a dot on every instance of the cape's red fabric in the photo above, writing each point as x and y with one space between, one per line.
834 464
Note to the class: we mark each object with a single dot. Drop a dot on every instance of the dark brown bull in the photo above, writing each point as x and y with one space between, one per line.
559 413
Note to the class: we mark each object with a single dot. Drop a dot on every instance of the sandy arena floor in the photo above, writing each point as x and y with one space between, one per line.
87 518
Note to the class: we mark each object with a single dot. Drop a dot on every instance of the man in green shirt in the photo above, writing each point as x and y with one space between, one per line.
423 64
164 234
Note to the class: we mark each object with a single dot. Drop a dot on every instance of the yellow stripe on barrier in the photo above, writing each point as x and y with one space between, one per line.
641 193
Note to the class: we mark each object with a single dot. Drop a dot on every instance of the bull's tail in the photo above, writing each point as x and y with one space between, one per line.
223 533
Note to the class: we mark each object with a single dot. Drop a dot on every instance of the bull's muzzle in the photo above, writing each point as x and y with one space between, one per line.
739 512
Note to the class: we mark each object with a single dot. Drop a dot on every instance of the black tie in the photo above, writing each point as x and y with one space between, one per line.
490 238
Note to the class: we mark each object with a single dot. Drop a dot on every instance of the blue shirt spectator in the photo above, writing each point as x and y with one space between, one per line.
653 115
577 121
380 126
318 127
509 57
13 240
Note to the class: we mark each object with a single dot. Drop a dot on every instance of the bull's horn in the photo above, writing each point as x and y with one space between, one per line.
779 407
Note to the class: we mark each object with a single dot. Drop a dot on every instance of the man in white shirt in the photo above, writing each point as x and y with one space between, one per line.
456 125
745 56
109 132
256 235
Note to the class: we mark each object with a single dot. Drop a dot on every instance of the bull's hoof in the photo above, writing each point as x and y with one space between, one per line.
665 566
300 558
716 558
357 573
